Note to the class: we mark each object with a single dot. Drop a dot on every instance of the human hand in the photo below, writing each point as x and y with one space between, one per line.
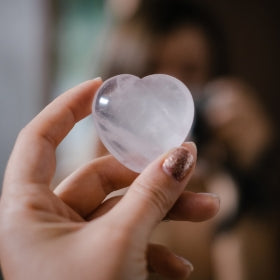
71 233
238 120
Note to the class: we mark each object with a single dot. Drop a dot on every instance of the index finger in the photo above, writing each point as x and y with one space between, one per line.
33 158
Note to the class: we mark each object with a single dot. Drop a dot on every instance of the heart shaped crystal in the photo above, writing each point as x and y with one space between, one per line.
139 119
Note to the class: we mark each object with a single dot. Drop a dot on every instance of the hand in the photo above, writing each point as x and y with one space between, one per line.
238 120
71 233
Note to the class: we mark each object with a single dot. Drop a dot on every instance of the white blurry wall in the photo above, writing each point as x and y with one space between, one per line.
22 68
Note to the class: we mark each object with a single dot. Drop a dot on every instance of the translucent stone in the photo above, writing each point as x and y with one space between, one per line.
139 119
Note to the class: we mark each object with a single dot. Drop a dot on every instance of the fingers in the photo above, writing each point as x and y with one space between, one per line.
195 207
33 158
86 188
59 117
105 207
167 264
156 190
190 206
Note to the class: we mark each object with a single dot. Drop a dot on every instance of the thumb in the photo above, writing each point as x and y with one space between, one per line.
156 189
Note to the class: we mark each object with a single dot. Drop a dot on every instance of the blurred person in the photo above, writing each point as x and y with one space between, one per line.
239 122
231 128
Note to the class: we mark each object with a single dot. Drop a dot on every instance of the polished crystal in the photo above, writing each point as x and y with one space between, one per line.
139 119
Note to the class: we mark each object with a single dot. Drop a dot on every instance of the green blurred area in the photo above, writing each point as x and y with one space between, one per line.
79 26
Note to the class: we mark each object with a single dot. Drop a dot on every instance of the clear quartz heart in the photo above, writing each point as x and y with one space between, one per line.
139 119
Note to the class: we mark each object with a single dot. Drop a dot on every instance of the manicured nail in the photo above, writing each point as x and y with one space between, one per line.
178 163
188 265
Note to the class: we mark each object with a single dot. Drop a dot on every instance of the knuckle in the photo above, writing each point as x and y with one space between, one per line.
155 195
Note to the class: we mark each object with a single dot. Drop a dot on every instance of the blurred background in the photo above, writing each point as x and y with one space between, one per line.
227 53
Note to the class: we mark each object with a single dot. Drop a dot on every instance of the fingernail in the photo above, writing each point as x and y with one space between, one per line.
178 163
188 264
190 144
166 220
211 195
97 79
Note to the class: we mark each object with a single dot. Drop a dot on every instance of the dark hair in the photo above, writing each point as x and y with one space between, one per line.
154 19
164 16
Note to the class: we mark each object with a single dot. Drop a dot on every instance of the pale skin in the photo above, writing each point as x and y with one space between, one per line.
70 233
